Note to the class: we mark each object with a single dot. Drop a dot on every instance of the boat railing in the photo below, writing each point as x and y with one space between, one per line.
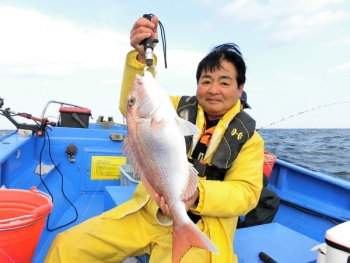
57 102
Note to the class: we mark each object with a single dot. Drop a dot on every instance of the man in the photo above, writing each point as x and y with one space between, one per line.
269 201
229 157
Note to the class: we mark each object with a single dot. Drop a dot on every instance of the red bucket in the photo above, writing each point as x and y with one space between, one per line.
22 217
269 161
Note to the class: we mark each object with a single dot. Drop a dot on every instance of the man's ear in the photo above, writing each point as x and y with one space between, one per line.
240 90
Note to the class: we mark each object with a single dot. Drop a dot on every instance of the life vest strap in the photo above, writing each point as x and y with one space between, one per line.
205 170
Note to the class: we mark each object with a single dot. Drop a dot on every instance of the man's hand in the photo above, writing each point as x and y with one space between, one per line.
191 202
143 28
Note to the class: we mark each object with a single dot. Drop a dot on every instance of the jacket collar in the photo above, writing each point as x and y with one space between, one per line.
219 130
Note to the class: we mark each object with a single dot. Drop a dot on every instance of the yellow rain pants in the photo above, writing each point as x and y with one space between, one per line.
112 238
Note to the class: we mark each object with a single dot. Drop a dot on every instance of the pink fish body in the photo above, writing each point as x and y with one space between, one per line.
156 149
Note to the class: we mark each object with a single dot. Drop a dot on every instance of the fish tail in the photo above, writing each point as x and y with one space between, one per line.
188 235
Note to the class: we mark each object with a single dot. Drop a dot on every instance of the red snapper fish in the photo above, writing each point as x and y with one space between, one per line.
156 149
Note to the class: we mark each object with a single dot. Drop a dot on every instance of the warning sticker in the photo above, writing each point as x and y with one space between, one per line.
106 167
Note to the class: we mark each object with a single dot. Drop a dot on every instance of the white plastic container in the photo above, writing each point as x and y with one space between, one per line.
128 176
321 252
338 243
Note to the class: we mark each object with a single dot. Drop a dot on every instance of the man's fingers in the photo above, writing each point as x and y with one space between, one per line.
144 22
162 204
157 198
136 39
167 210
155 23
142 29
165 207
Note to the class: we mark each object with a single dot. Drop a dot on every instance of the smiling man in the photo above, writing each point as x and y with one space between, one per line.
228 156
218 91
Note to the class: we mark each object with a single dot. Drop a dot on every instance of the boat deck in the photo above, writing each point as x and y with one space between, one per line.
279 242
311 202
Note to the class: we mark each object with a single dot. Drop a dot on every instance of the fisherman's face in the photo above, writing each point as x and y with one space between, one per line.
217 91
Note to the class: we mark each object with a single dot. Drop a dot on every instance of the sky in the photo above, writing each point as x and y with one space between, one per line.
297 55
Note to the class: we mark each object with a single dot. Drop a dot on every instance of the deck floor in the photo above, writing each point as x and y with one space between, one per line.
88 205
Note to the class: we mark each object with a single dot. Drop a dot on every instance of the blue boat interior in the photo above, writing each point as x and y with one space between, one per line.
311 202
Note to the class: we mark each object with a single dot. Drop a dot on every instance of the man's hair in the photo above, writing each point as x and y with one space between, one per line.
229 52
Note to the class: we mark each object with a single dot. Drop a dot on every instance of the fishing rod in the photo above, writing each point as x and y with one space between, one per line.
291 116
39 128
148 43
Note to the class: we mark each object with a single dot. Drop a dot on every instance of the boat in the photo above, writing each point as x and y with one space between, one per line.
74 164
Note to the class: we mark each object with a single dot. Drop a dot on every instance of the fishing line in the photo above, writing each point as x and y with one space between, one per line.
291 116
162 34
159 245
92 198
7 256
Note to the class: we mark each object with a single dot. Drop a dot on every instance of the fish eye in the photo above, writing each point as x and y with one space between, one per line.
132 101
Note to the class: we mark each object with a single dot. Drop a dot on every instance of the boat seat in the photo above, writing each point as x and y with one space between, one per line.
279 242
116 195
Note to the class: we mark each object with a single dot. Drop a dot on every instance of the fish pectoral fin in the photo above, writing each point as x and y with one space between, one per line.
192 182
186 127
126 149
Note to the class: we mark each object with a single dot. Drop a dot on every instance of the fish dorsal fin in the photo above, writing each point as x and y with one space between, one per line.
192 182
127 151
186 127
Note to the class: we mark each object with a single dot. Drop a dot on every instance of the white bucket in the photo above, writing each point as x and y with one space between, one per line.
321 252
338 243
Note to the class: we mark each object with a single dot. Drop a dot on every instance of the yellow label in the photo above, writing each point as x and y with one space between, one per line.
106 167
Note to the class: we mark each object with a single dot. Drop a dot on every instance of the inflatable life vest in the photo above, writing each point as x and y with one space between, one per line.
239 131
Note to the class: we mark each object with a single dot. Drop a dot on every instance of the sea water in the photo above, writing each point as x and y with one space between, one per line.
326 150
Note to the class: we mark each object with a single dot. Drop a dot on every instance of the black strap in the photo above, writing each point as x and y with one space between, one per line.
210 172
337 246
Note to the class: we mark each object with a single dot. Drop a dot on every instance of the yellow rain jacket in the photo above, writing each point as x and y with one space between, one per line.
220 203
134 227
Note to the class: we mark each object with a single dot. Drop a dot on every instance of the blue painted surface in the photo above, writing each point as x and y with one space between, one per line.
279 242
324 198
116 195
